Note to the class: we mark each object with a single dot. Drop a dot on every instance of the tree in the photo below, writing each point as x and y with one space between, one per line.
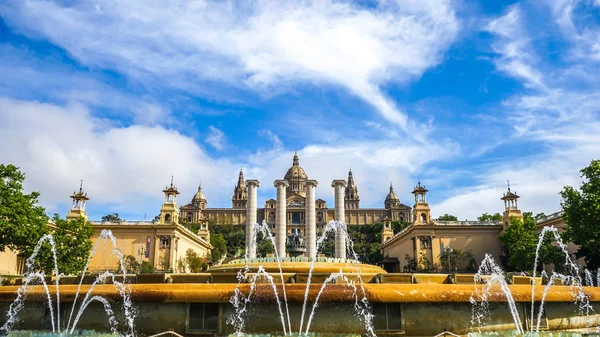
219 247
146 268
22 221
156 219
490 217
194 262
447 217
582 214
457 260
520 242
112 218
72 239
131 264
398 226
234 235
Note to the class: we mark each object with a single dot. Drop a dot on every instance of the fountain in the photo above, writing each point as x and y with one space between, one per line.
302 296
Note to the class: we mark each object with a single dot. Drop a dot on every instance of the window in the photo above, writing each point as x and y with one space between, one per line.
189 217
387 317
167 218
203 317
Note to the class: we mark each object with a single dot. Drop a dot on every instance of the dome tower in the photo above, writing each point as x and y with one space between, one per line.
296 178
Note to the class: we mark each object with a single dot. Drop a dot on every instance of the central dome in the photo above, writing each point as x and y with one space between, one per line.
295 173
296 178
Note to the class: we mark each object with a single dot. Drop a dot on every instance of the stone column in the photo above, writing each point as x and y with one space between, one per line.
340 215
310 231
251 217
281 217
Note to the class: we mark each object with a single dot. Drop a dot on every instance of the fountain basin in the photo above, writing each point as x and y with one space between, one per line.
408 309
382 293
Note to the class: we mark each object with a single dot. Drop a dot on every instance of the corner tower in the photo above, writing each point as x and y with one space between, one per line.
511 207
240 195
421 210
351 198
169 213
78 208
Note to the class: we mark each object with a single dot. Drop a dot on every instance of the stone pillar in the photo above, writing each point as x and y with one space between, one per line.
340 215
310 231
251 217
281 217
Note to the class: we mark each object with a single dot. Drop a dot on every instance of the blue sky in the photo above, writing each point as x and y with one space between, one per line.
459 95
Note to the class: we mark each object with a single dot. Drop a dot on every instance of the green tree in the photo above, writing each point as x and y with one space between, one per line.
156 219
219 247
398 226
447 217
582 215
111 218
131 264
146 268
520 241
457 260
234 235
22 221
72 239
194 262
490 217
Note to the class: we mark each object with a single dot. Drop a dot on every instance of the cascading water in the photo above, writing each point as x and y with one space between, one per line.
573 278
31 274
241 301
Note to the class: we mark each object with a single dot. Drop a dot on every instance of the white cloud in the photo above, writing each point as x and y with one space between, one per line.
581 32
125 168
512 44
557 115
265 45
216 138
274 140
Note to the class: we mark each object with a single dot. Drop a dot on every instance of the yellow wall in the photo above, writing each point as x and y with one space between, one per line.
130 238
478 239
9 264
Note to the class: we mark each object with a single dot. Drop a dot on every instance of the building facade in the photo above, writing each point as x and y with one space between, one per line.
162 244
427 239
197 211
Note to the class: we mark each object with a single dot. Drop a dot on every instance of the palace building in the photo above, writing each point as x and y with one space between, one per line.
197 211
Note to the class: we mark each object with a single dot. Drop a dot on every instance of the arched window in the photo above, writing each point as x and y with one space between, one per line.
423 218
189 216
401 217
167 218
319 217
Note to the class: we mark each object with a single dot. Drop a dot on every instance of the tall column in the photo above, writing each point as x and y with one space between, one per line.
340 215
251 217
310 232
281 218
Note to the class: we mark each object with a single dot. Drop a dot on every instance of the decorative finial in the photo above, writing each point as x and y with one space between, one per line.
200 186
81 186
172 180
296 159
391 187
508 183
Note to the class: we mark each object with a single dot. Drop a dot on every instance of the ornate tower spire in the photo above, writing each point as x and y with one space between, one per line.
511 206
296 159
240 197
351 198
79 200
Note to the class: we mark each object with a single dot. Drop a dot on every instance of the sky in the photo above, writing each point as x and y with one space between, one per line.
462 96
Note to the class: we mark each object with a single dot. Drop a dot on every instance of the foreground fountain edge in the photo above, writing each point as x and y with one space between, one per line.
380 293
